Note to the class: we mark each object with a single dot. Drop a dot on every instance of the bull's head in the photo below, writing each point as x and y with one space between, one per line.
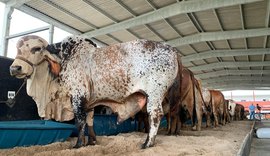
31 52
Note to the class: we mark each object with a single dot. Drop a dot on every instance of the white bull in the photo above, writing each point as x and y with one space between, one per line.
123 77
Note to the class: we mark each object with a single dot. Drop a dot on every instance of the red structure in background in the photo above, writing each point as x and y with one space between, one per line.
264 104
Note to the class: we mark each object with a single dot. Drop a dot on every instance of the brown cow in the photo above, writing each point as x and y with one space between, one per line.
189 101
239 112
184 99
215 101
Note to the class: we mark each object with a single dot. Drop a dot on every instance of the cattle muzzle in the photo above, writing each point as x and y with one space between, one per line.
15 70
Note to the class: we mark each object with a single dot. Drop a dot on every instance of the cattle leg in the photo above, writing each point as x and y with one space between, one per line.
91 133
216 119
154 121
198 106
80 117
168 118
173 123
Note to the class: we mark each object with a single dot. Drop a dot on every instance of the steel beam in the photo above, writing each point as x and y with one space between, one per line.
229 65
5 30
222 35
28 32
16 3
237 83
224 53
235 78
246 87
231 72
240 86
166 12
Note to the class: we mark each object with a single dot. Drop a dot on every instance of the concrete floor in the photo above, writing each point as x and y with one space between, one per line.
260 147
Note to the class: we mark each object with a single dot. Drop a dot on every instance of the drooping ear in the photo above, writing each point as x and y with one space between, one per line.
54 48
54 66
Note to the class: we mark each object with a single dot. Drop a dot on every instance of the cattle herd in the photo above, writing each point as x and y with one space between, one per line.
144 78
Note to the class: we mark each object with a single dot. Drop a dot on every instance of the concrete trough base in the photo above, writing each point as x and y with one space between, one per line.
260 146
246 144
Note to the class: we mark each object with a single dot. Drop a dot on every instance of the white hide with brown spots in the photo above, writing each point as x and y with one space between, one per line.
121 76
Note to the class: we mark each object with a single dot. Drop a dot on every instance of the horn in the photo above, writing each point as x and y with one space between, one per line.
54 48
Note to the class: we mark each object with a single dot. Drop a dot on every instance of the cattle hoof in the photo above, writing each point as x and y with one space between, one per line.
144 146
91 143
177 134
77 146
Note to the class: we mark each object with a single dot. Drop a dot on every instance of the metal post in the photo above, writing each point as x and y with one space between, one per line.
51 32
5 31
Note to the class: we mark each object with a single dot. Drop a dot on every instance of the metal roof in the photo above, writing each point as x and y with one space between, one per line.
225 43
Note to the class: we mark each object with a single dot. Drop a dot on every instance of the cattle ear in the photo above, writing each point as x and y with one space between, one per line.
54 48
55 67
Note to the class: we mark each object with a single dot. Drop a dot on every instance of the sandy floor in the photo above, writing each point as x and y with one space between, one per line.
225 140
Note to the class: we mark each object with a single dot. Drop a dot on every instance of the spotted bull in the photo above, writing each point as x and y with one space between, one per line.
124 77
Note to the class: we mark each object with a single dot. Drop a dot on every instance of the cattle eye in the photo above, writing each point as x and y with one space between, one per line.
35 49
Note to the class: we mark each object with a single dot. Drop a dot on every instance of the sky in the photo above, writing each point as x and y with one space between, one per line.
22 22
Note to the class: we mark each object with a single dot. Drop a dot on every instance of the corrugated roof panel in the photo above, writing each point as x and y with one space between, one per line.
113 8
237 43
227 59
256 58
211 60
267 68
106 39
254 14
162 3
183 24
235 68
163 29
59 15
230 17
86 12
200 47
123 35
255 68
186 50
241 58
207 20
138 7
221 44
255 42
267 57
198 62
144 33
268 42
188 64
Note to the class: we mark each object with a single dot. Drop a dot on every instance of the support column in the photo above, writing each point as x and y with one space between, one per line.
51 32
5 31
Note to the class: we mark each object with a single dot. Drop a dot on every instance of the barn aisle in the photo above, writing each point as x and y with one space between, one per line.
259 146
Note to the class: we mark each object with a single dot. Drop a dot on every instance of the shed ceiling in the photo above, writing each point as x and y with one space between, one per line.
225 43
